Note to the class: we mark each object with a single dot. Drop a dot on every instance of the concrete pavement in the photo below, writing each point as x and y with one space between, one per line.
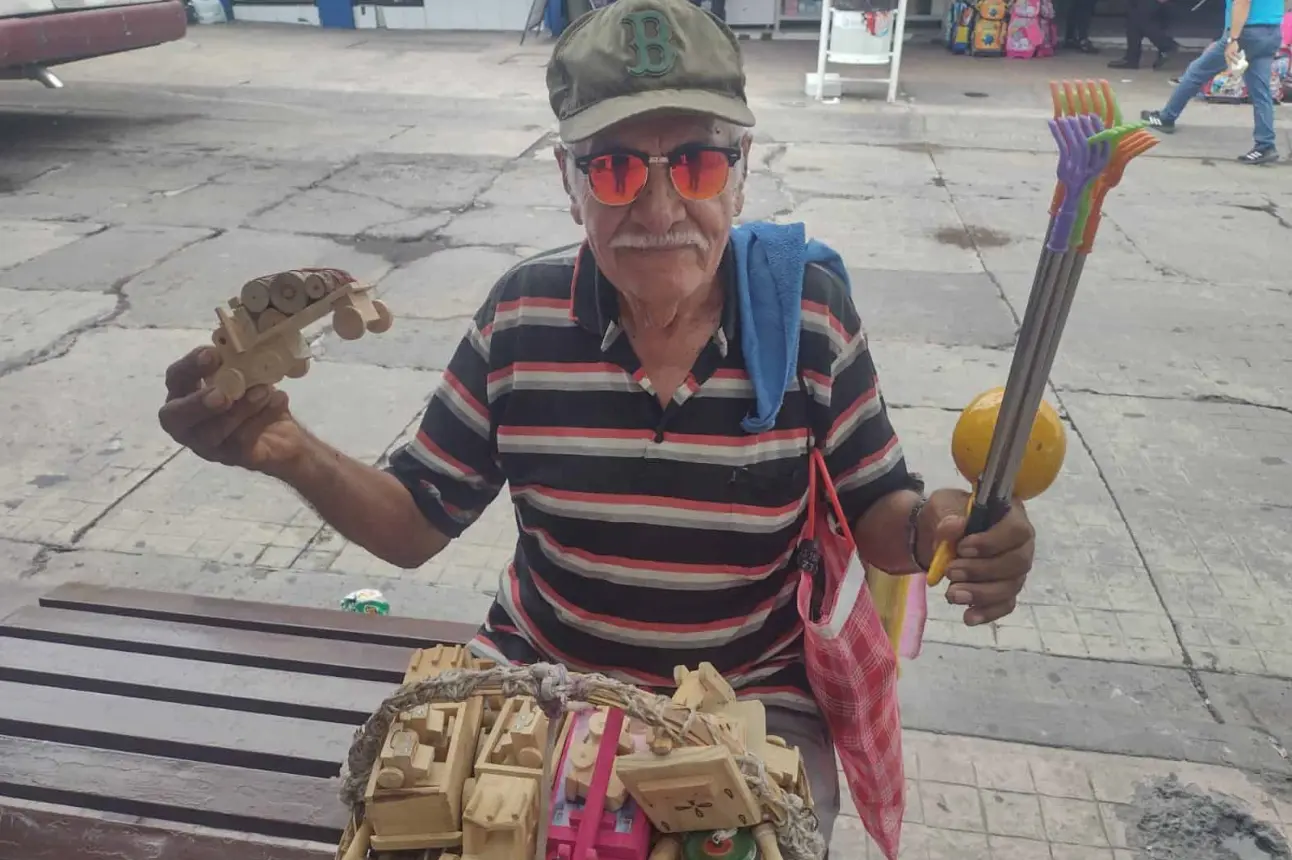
1156 627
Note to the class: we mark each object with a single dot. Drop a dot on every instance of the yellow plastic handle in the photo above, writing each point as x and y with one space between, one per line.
944 555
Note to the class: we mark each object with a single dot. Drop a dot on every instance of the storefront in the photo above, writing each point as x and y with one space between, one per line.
782 19
801 19
480 15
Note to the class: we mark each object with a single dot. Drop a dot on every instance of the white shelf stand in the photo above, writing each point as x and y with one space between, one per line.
892 57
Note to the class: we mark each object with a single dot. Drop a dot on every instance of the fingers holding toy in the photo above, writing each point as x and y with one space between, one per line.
990 568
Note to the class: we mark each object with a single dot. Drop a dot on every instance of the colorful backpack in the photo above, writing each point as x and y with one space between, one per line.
1024 36
1049 30
989 29
959 26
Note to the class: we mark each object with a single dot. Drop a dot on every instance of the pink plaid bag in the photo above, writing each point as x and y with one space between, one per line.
851 664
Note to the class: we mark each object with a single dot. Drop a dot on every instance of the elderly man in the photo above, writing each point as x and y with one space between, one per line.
607 384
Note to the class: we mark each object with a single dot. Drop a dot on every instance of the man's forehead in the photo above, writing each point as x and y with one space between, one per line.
667 129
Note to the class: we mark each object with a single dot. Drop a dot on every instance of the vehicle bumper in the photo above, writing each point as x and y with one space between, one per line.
60 37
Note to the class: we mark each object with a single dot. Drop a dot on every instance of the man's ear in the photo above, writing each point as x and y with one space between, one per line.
575 210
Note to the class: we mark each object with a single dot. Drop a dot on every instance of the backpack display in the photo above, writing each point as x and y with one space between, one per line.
1032 31
1023 37
1049 30
988 38
959 26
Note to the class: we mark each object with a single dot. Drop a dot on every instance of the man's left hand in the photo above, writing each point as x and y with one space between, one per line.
989 569
1231 53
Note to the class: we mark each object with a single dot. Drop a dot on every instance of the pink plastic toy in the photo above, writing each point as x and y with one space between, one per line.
622 835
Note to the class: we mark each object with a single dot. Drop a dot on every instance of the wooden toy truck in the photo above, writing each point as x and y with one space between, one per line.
259 338
448 786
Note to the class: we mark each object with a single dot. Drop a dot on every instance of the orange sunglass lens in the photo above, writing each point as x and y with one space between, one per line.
700 175
617 179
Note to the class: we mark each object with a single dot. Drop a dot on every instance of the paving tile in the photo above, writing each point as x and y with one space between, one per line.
1057 776
1080 852
951 845
1056 818
1011 848
1007 772
1012 814
1075 822
957 807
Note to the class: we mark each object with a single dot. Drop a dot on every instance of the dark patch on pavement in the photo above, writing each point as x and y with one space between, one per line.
975 95
970 237
22 130
1169 820
43 481
397 252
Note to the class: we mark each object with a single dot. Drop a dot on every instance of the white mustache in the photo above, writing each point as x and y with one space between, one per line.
673 239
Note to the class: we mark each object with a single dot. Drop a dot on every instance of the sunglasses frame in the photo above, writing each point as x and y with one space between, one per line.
732 153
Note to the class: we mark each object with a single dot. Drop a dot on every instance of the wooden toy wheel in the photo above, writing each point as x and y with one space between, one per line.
255 295
268 319
298 368
229 382
268 368
384 319
347 322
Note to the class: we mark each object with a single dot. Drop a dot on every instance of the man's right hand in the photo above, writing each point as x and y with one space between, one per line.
257 432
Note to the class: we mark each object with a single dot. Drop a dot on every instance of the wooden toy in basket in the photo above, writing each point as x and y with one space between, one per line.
473 761
259 338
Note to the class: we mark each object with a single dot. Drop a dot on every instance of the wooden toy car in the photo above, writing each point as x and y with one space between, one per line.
446 786
259 338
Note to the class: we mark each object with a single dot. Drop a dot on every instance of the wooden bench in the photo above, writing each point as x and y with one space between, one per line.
142 724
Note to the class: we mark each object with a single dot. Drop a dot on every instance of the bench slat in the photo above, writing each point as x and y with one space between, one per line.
170 679
210 795
269 618
358 660
255 741
40 831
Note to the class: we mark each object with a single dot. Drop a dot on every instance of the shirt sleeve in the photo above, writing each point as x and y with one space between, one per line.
450 466
862 449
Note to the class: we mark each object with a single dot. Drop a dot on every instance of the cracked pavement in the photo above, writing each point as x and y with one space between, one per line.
1158 621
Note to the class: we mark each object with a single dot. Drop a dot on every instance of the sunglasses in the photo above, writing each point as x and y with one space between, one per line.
698 172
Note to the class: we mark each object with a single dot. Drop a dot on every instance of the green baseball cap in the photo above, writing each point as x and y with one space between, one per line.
641 56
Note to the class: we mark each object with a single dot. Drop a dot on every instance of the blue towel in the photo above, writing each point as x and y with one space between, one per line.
770 262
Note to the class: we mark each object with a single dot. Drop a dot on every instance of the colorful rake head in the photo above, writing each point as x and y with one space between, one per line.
1136 143
1124 141
1079 163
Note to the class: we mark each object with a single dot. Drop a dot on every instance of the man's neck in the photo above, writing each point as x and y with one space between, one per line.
704 306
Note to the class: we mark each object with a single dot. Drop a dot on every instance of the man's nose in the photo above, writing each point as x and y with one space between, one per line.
659 206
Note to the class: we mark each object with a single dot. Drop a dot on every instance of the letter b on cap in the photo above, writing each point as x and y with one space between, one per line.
655 53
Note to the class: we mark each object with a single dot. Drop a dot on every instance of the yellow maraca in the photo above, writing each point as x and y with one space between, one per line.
1042 459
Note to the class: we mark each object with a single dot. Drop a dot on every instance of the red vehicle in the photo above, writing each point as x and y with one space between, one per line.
37 34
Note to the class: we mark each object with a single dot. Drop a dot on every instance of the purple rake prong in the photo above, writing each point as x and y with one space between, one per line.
1072 156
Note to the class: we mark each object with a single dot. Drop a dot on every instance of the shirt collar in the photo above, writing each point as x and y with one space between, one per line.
594 304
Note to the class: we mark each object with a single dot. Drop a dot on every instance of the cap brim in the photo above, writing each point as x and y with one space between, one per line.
603 115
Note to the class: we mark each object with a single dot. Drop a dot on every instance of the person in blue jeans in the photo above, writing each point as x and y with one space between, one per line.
1253 27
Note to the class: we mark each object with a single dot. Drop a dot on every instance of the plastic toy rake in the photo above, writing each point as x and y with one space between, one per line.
1094 148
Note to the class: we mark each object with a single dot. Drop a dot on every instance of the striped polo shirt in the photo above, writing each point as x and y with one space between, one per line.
649 535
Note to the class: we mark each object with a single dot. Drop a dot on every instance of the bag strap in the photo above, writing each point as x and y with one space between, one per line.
825 485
